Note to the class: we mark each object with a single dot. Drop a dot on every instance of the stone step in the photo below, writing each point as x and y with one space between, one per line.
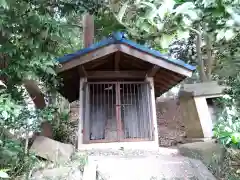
147 168
130 153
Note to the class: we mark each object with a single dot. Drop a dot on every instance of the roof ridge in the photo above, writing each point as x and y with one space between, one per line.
118 35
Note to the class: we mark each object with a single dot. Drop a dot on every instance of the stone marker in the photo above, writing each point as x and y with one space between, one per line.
51 150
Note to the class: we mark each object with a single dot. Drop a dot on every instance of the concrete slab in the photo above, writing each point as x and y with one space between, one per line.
146 168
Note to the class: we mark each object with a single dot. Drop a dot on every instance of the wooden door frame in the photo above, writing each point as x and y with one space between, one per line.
118 112
120 132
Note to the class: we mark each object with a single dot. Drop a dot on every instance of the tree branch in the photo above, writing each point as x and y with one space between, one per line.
198 32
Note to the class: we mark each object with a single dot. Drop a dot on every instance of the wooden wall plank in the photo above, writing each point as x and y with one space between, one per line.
116 61
116 74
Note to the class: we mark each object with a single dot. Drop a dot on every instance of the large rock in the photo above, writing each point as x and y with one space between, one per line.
210 153
51 150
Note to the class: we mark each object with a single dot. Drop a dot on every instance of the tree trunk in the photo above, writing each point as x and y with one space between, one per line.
210 60
202 72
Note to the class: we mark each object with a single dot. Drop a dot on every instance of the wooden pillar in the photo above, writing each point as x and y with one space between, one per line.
81 112
88 30
86 122
154 113
88 39
118 112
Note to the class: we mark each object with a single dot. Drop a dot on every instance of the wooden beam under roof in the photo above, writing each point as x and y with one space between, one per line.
166 77
82 71
88 57
116 61
98 63
154 60
153 71
115 74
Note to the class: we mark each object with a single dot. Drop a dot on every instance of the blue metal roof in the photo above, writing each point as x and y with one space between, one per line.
119 38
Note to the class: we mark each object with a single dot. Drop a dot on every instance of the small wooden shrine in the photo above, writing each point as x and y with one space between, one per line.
116 81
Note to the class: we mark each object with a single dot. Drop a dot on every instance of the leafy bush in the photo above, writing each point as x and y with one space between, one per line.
13 157
62 128
227 129
228 132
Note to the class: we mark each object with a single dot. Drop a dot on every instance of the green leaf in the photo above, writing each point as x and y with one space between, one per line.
2 84
225 134
183 34
208 3
184 7
151 14
192 14
230 23
167 6
235 138
146 27
229 34
187 21
122 11
166 40
4 115
160 26
3 3
50 71
220 35
139 22
151 5
3 174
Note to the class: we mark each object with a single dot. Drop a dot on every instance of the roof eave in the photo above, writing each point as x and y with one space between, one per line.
118 38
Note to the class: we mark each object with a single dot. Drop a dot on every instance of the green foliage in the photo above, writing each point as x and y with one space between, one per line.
105 24
32 35
171 21
62 127
13 157
228 132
